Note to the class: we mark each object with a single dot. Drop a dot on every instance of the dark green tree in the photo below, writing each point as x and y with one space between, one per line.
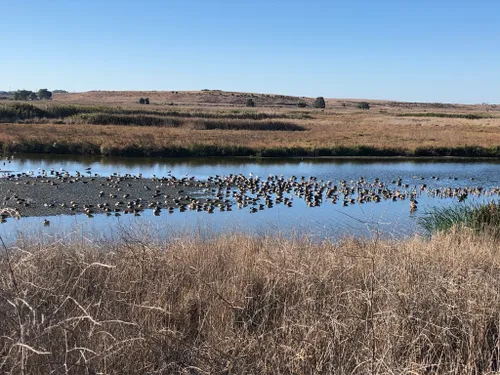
364 105
250 103
141 101
22 95
146 101
44 94
319 102
33 96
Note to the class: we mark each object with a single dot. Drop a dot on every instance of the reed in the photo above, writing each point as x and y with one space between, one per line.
23 111
237 304
245 125
479 218
127 120
468 116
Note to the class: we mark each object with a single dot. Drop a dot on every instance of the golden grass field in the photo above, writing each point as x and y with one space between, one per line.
235 304
341 124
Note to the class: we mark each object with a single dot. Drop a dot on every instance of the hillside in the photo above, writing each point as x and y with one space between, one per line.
218 98
204 97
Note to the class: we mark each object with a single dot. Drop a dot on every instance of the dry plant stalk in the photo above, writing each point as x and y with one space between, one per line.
240 304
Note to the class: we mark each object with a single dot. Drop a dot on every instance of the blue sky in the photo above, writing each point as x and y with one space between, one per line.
441 50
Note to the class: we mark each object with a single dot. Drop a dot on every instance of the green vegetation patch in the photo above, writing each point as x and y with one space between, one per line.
246 125
468 116
14 112
479 218
132 120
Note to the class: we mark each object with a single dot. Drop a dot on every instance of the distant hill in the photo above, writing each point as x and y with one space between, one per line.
219 98
202 97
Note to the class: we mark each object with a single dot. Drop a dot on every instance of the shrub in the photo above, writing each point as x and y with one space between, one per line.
44 94
20 111
146 101
319 102
302 104
364 105
22 94
250 103
141 101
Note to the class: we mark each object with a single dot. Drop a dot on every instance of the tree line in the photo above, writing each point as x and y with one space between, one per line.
42 94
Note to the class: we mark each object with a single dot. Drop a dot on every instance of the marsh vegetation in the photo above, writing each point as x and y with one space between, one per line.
113 124
240 304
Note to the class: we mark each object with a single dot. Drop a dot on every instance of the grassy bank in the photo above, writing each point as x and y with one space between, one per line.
239 304
38 146
279 132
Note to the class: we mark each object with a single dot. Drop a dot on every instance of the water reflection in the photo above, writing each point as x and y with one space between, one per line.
387 218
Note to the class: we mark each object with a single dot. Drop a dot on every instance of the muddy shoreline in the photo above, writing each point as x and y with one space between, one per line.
71 195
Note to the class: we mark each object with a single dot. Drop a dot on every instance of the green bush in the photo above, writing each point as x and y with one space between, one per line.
319 102
22 94
364 105
44 94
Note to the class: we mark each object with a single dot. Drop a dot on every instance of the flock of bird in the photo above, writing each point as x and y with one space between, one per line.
132 194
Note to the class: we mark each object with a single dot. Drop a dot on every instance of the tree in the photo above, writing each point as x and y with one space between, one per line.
22 95
364 105
146 101
44 94
33 96
319 102
141 101
250 103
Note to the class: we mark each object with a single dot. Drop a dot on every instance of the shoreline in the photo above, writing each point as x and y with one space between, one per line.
210 151
51 196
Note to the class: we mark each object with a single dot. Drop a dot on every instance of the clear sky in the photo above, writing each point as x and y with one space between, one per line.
425 50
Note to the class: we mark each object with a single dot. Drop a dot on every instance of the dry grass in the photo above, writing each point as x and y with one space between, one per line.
237 305
325 130
387 126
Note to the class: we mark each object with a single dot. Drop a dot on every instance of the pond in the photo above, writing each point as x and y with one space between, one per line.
387 218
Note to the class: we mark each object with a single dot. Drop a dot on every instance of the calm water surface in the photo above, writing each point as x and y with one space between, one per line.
387 218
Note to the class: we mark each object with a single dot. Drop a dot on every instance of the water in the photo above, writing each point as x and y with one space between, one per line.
387 218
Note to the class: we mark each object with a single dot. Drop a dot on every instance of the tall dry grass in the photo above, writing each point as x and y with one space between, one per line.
237 304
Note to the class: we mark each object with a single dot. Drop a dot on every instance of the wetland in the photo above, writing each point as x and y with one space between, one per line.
325 198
